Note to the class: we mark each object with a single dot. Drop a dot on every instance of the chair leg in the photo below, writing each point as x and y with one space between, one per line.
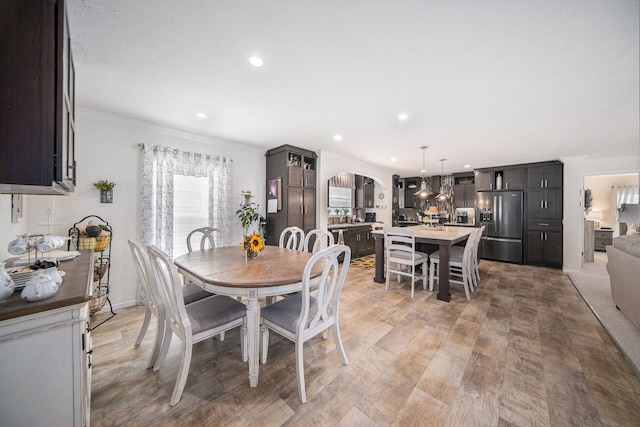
413 279
424 275
183 372
264 343
157 343
386 283
466 283
221 336
164 349
338 340
302 392
432 274
145 325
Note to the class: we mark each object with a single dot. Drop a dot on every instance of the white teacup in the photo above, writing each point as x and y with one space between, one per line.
18 246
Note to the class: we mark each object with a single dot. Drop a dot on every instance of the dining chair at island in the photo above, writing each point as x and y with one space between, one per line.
461 265
322 239
402 257
194 322
292 238
312 311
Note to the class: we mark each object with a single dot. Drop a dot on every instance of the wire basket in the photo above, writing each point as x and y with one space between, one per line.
99 299
99 243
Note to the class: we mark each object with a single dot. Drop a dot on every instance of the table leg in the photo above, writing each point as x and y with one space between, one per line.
443 275
379 269
253 335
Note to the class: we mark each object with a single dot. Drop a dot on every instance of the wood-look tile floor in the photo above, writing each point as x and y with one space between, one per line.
526 350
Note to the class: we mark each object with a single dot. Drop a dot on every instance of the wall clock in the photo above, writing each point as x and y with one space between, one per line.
381 196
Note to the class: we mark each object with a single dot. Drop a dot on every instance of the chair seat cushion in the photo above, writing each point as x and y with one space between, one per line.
214 311
455 254
192 293
285 313
420 256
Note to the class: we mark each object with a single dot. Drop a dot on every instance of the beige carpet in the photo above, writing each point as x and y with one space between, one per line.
593 284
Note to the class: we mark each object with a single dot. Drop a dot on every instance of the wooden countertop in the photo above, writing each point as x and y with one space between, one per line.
75 289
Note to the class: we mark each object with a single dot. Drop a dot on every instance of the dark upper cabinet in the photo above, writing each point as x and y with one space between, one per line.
464 196
412 185
484 181
368 193
545 176
546 204
37 123
500 179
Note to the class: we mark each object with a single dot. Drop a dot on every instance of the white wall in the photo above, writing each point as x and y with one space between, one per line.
107 148
331 164
575 170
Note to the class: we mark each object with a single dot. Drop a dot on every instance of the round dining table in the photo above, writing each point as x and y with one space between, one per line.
227 271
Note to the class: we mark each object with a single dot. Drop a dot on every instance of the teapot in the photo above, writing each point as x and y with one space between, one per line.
6 284
55 274
39 287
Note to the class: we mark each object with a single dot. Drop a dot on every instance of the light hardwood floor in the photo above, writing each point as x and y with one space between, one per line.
526 350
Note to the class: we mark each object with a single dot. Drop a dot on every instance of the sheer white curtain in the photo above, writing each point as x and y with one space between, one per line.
159 165
620 195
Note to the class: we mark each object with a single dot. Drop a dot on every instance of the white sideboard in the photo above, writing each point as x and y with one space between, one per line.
45 354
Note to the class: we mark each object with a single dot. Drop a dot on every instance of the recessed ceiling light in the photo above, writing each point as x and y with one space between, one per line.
467 166
403 116
256 61
393 159
337 137
201 115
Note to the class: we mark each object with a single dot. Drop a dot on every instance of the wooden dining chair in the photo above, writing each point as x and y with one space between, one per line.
206 235
321 239
292 238
194 322
402 257
311 312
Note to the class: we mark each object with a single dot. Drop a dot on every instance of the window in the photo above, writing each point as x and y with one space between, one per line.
190 205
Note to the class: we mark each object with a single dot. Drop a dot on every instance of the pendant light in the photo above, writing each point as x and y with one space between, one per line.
423 192
442 196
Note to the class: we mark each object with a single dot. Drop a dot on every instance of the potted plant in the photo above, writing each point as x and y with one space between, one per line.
588 201
106 190
248 214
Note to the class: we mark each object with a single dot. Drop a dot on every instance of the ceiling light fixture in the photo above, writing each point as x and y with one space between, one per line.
442 196
201 115
337 137
467 166
423 192
256 61
403 116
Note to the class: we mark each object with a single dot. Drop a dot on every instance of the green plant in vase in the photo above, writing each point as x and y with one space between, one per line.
248 214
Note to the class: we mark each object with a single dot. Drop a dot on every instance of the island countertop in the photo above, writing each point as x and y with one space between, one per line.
74 289
349 225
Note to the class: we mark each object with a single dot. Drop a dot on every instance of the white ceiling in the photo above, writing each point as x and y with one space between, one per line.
485 83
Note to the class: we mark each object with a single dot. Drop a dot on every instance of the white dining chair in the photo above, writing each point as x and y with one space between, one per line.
206 236
311 312
322 239
292 238
194 322
461 270
402 257
152 300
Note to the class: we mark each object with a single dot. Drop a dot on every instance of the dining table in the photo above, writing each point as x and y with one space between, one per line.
228 271
443 236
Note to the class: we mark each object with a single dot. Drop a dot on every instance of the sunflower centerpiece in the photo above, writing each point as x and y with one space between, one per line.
248 213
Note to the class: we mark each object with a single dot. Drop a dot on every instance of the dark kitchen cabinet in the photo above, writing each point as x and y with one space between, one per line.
295 169
464 196
484 181
545 176
364 192
544 204
359 239
37 124
369 197
544 248
513 178
411 185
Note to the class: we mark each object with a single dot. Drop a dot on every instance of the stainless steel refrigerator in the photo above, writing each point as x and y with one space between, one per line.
502 214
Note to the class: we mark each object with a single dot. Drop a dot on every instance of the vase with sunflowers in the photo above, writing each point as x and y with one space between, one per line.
248 213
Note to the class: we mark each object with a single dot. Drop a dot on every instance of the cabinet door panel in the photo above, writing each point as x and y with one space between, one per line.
535 246
553 248
513 179
309 209
294 207
295 176
484 181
